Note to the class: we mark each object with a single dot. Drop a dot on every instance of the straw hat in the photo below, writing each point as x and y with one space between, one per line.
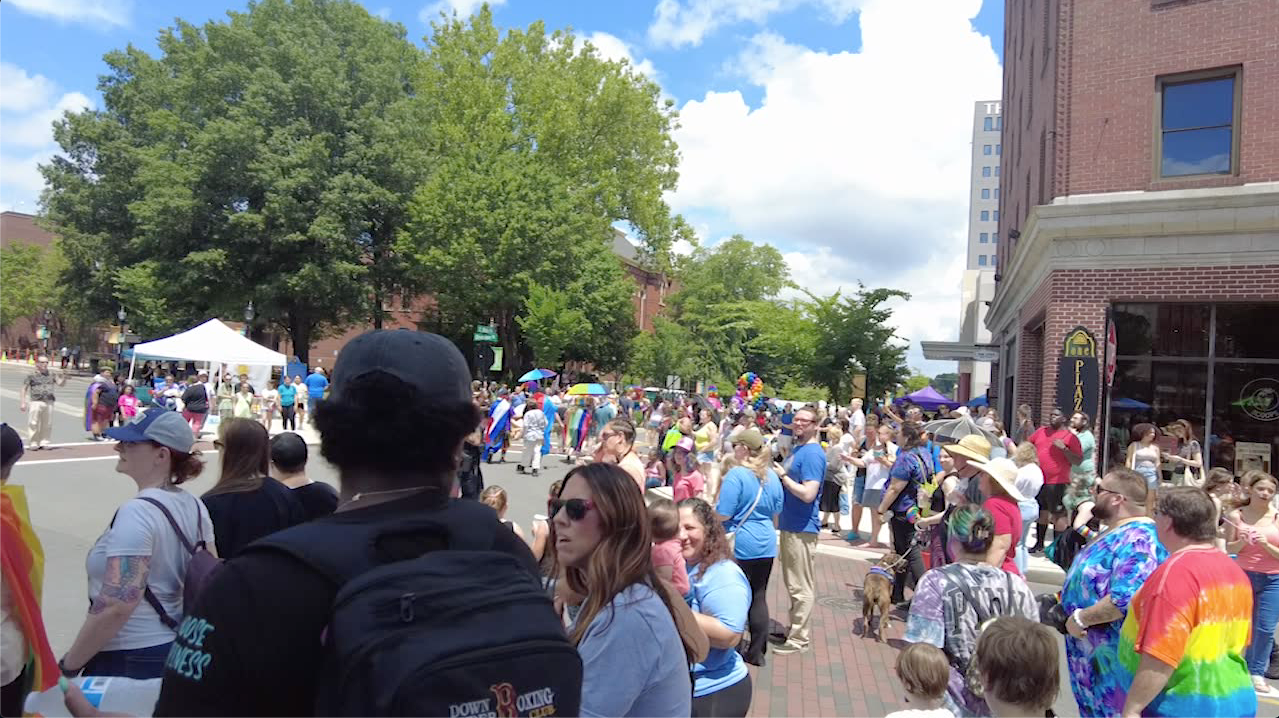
1004 472
973 447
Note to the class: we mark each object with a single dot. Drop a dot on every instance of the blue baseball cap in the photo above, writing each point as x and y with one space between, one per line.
166 428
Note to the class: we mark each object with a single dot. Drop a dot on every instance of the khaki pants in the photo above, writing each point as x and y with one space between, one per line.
799 555
39 422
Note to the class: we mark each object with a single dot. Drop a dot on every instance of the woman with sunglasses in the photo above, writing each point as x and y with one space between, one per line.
635 657
720 598
140 558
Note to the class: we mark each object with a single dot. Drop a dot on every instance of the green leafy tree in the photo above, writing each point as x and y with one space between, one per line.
268 158
28 277
665 352
916 381
540 146
853 332
946 383
549 325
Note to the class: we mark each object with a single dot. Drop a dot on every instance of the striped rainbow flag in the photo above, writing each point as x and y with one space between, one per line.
23 565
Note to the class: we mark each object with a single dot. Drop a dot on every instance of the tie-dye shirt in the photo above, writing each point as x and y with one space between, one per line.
1115 565
1194 613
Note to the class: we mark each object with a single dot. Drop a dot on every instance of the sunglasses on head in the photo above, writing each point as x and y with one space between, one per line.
575 508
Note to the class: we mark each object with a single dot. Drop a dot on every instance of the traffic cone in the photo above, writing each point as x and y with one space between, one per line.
4 356
31 359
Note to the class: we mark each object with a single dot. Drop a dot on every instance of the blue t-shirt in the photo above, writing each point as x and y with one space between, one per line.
288 394
912 467
721 591
755 536
633 660
786 419
315 385
808 463
935 448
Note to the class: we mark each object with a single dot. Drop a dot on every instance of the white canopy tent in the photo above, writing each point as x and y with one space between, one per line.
212 342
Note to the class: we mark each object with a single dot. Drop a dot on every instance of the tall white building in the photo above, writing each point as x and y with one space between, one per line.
978 286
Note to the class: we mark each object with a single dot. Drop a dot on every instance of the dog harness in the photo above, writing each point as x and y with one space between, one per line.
880 570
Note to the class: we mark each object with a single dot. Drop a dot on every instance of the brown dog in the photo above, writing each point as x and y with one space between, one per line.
877 592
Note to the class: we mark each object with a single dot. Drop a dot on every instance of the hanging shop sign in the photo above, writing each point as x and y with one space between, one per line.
1078 373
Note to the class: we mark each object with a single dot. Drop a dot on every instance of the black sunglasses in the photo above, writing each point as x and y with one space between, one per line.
576 508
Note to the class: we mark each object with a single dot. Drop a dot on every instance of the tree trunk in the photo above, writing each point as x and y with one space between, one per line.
300 329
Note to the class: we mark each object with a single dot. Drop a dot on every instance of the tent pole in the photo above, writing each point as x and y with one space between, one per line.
133 362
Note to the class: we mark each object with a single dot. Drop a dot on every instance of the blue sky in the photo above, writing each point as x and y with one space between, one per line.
836 130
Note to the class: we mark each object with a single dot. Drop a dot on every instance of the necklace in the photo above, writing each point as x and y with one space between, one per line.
388 492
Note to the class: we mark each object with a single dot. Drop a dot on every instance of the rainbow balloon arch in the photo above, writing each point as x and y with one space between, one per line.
750 393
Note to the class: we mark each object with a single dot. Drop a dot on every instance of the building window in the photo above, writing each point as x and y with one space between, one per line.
985 237
989 124
994 238
985 149
999 122
985 215
996 215
1197 118
985 193
996 170
999 149
985 171
996 193
992 260
981 259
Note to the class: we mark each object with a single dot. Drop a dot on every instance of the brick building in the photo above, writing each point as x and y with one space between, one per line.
651 289
1140 182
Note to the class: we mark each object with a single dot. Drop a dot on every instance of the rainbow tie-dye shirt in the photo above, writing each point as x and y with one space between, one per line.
1194 613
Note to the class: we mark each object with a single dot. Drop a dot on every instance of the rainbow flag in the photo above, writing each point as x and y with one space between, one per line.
23 564
1195 613
579 424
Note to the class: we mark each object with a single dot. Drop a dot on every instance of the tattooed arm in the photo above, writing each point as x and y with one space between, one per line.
122 589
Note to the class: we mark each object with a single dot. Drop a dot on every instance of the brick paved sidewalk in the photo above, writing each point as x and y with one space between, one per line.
842 674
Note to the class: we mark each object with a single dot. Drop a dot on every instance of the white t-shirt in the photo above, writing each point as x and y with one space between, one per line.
140 529
1030 479
848 446
270 399
858 421
877 473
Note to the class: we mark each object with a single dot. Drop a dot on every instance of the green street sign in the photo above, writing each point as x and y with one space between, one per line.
485 333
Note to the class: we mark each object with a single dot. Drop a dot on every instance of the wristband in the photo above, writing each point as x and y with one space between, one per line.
67 672
1075 617
1086 532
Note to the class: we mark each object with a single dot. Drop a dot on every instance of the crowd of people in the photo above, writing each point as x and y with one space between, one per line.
641 589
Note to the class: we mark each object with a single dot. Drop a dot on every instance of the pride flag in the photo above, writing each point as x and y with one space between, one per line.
23 564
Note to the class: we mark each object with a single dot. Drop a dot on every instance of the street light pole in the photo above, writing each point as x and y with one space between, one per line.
124 332
249 313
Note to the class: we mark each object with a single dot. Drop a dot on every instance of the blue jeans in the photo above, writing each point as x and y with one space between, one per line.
1029 512
139 663
1265 615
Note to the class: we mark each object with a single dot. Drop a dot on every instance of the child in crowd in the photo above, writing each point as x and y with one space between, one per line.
495 496
128 403
668 553
1018 666
655 470
923 671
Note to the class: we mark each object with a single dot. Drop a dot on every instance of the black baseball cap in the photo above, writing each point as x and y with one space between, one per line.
10 445
428 362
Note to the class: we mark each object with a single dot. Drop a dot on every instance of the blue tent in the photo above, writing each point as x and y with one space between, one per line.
978 401
1129 405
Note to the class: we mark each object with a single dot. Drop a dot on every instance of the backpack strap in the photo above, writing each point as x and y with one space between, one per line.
150 596
341 552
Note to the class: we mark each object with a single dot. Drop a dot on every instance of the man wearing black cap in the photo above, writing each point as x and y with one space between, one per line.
253 643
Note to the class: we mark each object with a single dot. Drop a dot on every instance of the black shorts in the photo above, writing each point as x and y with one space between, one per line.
830 495
1052 498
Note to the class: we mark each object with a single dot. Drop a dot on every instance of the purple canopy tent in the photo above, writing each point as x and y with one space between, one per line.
927 399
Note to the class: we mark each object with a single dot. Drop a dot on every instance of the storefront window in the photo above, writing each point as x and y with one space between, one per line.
1245 417
1170 330
1247 330
1230 396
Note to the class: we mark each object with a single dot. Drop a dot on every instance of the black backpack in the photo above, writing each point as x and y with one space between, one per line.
458 632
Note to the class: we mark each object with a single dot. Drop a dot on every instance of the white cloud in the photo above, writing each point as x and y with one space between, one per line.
29 107
90 12
677 23
856 164
384 13
463 8
611 47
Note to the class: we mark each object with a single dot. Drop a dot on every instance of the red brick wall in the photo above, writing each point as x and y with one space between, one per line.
1098 105
1080 297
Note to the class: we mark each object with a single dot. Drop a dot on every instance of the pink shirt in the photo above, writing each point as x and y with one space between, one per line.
669 553
688 485
1254 557
128 405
